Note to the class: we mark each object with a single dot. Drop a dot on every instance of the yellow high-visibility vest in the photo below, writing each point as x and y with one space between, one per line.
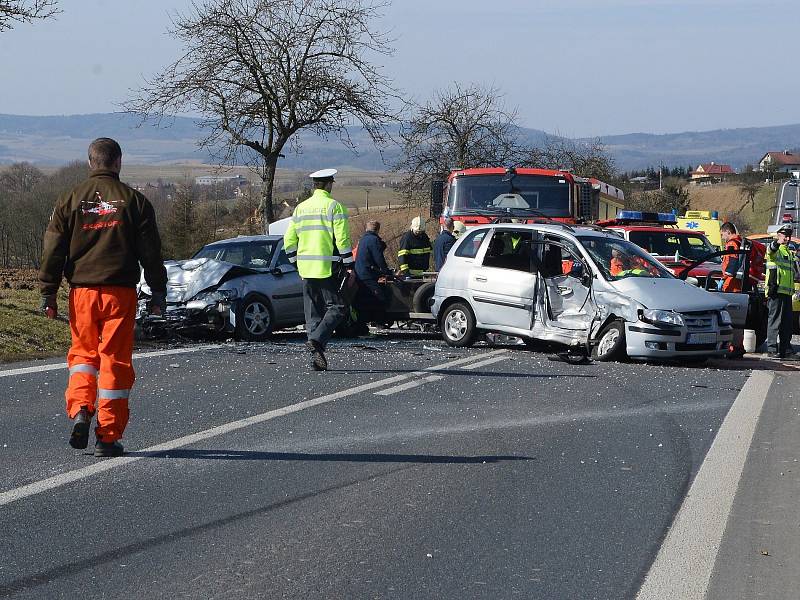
318 235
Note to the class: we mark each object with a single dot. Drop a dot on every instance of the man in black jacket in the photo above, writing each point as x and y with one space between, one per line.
370 263
444 241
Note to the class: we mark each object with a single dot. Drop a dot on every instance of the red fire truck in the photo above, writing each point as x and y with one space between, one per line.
475 196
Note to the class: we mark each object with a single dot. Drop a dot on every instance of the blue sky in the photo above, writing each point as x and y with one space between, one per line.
575 67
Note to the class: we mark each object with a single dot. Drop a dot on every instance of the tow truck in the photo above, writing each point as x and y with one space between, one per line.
690 255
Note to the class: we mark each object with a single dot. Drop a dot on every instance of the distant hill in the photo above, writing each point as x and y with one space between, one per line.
54 140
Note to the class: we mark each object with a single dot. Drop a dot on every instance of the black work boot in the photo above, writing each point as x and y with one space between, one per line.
104 449
79 438
318 361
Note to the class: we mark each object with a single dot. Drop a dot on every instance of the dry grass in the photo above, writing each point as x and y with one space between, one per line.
25 333
727 200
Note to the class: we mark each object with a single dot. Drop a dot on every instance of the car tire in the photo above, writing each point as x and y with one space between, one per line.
254 319
610 343
458 325
421 300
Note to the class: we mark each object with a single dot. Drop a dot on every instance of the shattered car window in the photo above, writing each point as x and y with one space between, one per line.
253 255
619 259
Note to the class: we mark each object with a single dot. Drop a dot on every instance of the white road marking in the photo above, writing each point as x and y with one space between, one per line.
63 365
57 481
682 569
408 385
483 363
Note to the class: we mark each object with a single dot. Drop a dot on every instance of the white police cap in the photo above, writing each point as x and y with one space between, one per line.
323 174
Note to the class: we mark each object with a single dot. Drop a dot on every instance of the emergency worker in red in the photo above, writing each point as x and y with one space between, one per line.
99 234
731 263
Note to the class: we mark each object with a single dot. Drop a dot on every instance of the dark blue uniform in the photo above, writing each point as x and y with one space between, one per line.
441 247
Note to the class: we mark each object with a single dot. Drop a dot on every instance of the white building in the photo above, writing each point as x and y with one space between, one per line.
237 180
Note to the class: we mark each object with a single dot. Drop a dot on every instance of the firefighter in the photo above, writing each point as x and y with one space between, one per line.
731 263
459 228
444 241
414 255
779 289
318 241
99 234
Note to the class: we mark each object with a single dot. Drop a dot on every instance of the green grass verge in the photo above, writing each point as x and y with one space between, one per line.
25 333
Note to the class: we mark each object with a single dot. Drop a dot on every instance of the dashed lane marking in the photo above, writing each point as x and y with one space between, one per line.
483 363
409 385
57 481
63 365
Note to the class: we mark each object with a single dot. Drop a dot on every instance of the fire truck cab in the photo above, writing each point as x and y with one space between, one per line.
480 196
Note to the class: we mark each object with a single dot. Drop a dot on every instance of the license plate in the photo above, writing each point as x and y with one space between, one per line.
701 338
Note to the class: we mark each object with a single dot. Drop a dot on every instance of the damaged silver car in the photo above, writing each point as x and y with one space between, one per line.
579 286
244 286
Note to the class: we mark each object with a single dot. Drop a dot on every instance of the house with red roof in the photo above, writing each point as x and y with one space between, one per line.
780 161
711 172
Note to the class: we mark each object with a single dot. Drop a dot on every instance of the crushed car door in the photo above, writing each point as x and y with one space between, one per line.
502 284
566 292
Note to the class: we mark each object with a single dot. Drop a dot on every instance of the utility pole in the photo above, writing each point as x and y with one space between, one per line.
366 201
660 168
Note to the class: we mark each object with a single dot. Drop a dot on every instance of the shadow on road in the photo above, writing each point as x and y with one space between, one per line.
327 457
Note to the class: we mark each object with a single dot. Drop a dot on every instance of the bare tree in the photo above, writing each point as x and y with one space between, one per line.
583 158
25 11
260 71
460 127
748 192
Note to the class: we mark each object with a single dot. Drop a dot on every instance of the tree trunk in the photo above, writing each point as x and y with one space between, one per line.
267 185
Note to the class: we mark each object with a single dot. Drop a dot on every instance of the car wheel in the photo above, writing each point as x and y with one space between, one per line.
611 343
458 325
421 301
254 319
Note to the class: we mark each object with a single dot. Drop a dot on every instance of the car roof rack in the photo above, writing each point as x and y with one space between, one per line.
539 219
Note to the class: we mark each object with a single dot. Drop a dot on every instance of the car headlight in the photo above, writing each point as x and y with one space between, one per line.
662 317
214 296
725 317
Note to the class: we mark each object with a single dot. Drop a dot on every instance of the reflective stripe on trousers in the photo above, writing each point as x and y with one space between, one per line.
100 359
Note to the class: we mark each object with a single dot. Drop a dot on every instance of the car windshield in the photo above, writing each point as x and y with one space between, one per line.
253 255
620 259
690 246
533 195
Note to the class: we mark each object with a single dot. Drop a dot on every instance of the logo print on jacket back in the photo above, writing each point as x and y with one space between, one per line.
100 208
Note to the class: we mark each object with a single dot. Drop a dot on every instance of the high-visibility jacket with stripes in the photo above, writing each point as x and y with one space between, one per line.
414 254
318 235
779 265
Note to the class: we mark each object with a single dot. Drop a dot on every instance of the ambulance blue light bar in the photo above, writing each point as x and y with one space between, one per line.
638 216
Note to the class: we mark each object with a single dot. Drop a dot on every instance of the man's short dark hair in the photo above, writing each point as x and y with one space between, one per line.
103 153
448 224
729 227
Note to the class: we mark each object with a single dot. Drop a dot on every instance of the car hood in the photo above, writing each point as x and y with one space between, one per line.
668 294
187 278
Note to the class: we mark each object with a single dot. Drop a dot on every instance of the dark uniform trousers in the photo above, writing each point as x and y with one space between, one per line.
324 308
779 327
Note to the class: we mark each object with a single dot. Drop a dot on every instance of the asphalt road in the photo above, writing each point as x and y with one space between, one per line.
410 470
787 192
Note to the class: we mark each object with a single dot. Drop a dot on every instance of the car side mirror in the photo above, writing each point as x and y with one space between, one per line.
578 270
277 272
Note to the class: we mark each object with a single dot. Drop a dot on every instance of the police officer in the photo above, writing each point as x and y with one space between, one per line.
779 289
318 241
414 254
444 241
99 234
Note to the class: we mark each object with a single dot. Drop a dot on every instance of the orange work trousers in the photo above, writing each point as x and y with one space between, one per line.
101 375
